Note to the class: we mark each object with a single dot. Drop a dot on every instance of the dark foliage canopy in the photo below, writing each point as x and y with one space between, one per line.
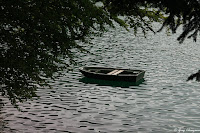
35 36
176 12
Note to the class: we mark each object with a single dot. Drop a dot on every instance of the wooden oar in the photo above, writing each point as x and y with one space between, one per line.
112 72
115 72
118 72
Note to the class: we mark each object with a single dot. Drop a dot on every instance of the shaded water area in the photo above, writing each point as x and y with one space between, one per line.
163 102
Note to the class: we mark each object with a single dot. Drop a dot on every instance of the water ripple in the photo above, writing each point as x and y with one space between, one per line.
162 103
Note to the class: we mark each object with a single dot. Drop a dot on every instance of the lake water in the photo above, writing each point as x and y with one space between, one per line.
163 103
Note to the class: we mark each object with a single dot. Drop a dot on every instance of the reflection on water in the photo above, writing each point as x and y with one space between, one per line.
160 104
99 82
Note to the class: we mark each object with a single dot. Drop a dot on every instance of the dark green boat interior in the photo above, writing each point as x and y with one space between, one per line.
106 71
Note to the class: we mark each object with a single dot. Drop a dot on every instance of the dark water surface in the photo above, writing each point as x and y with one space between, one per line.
163 103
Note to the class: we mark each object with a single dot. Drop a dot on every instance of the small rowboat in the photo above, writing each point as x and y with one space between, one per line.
115 74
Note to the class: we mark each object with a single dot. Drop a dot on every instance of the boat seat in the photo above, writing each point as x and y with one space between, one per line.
115 72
